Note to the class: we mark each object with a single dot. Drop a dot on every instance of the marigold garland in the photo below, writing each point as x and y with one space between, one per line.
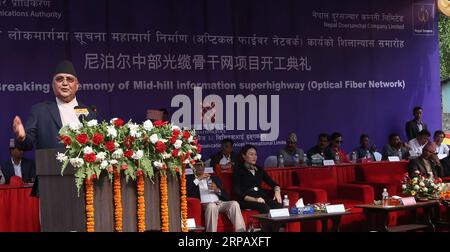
89 205
140 203
183 205
164 202
117 202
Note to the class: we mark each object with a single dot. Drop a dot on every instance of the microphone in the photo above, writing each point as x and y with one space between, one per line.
82 112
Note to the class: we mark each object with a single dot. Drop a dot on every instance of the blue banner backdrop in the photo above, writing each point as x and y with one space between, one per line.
266 68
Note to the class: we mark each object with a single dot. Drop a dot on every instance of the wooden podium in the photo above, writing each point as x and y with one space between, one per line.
63 211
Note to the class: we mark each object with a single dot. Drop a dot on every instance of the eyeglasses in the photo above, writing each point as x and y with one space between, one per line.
61 78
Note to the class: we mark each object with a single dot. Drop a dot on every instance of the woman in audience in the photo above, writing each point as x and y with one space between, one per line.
247 180
334 150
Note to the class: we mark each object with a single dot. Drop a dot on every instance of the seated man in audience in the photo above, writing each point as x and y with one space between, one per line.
322 144
334 150
292 155
441 148
395 147
416 145
427 164
365 150
214 199
18 165
2 178
226 157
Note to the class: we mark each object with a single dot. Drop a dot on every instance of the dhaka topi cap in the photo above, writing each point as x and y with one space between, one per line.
66 67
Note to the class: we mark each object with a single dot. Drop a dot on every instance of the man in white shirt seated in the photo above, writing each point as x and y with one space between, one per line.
416 145
441 148
226 157
17 165
214 199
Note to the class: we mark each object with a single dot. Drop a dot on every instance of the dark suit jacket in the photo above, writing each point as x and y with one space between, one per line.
418 164
27 166
193 191
244 182
42 129
215 159
43 125
412 129
446 166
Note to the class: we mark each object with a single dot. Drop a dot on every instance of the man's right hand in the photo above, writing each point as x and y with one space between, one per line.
18 129
203 176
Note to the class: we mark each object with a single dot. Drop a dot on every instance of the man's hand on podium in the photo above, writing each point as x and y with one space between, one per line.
18 129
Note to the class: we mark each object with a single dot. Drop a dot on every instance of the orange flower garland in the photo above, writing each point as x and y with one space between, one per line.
117 202
183 204
445 195
164 202
89 205
140 203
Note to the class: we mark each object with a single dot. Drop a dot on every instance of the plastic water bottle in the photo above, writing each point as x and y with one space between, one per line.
286 201
368 156
280 161
354 157
296 160
209 182
337 158
305 159
385 197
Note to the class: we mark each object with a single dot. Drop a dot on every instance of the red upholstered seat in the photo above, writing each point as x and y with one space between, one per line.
326 179
195 211
382 175
321 185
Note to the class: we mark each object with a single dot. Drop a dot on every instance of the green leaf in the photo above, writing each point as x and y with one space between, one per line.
147 167
63 166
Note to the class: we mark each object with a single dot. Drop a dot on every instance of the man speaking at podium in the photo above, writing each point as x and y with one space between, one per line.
42 127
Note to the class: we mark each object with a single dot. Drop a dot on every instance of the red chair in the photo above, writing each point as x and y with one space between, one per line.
382 175
321 185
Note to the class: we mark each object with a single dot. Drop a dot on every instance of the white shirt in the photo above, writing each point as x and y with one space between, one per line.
442 149
420 126
67 111
205 195
416 148
225 160
2 178
17 168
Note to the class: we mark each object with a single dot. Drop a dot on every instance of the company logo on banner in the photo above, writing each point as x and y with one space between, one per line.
423 19
213 113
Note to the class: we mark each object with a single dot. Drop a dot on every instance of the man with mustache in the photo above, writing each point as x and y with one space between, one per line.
46 118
